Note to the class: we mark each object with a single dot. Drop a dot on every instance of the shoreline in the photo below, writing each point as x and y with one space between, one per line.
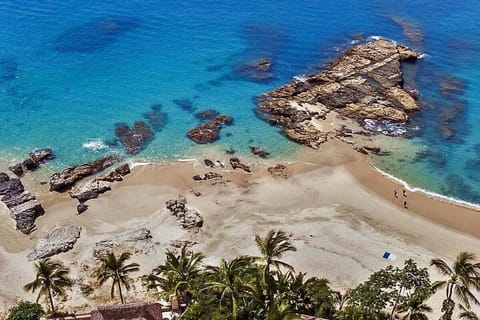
328 194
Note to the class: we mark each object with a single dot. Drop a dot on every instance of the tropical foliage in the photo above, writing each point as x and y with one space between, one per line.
265 287
25 310
51 280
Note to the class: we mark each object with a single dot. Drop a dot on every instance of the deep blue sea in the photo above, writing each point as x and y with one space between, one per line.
71 70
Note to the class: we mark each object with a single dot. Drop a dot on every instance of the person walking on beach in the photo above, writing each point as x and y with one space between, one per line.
404 193
395 194
405 204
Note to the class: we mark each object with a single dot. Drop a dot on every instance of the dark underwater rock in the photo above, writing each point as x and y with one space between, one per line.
209 132
237 164
95 35
259 70
24 207
411 30
207 114
8 69
155 118
185 104
64 180
434 156
259 152
136 138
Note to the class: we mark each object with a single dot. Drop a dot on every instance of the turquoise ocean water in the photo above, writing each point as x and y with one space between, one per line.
70 70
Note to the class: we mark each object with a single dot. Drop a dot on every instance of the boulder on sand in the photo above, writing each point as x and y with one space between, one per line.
58 240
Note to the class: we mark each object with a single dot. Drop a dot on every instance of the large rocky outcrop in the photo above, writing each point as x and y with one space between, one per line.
189 218
136 138
365 83
209 131
64 180
58 240
23 205
33 161
137 239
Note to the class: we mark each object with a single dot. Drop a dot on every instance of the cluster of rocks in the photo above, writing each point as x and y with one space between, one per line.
138 239
208 176
211 164
33 161
189 219
58 240
208 132
136 138
23 205
365 83
257 70
64 180
278 171
411 30
93 188
237 164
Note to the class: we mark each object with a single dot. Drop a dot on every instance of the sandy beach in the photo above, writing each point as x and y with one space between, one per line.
341 214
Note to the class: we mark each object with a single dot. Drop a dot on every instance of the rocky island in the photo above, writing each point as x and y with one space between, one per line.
365 83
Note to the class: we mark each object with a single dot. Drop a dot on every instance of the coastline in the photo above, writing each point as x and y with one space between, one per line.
329 193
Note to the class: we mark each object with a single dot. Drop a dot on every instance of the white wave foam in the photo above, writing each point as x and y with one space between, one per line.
442 197
376 38
133 164
95 144
300 78
423 56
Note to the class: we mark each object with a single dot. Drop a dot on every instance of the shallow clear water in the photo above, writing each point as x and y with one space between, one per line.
70 70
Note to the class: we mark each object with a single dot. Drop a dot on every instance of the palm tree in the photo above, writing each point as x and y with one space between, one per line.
178 273
272 247
467 314
280 312
115 268
51 279
229 281
461 277
415 309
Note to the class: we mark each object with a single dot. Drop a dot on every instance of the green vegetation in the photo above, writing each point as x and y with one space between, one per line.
265 287
115 269
51 280
25 310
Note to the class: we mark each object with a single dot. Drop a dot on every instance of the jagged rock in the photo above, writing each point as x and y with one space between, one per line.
365 83
209 132
236 164
123 170
24 207
33 161
136 138
278 171
209 163
259 152
90 190
374 150
59 240
111 177
82 207
189 219
180 243
138 238
61 181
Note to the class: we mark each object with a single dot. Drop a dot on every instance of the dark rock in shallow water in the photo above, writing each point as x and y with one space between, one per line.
156 119
447 117
123 170
236 164
24 207
451 85
433 156
259 152
61 181
33 161
473 164
257 70
411 30
185 104
209 132
8 69
94 36
207 114
136 138
457 187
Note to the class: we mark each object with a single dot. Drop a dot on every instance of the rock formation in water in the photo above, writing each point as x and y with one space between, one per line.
58 240
209 131
33 161
257 70
23 205
136 138
64 180
365 83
